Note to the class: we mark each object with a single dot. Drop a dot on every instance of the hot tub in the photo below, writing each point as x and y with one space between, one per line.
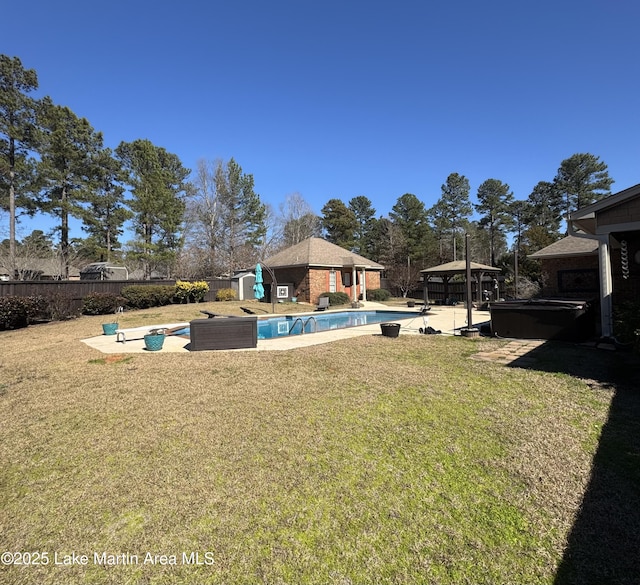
559 319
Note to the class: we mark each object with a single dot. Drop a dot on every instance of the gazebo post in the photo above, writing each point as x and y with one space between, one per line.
469 330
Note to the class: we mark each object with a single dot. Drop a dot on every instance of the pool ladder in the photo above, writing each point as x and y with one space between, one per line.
304 324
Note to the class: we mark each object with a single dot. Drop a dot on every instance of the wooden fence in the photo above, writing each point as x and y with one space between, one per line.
436 290
76 290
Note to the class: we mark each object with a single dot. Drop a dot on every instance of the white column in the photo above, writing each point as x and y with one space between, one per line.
363 286
606 287
354 286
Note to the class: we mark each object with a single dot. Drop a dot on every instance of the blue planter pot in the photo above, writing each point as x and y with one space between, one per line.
109 328
154 342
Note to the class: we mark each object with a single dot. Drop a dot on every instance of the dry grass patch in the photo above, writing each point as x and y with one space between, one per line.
367 460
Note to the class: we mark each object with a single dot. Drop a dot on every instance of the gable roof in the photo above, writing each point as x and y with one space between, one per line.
567 247
319 253
610 201
40 268
617 212
459 267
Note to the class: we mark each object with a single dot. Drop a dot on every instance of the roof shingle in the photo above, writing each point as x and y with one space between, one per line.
319 252
569 246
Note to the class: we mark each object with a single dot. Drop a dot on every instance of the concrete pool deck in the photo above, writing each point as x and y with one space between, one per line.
448 320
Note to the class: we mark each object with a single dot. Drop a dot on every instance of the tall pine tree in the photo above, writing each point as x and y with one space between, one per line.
17 139
494 199
242 215
582 179
106 212
339 223
158 183
365 216
455 208
67 168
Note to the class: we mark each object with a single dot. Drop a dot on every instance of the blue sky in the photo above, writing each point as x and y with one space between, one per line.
346 98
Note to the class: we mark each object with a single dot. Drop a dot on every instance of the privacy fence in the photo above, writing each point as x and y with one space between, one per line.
76 290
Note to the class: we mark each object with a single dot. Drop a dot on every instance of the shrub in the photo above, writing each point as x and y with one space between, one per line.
226 294
199 289
378 295
191 292
140 296
337 298
101 303
60 307
16 312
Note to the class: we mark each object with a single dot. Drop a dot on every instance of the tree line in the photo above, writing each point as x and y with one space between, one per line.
413 236
210 222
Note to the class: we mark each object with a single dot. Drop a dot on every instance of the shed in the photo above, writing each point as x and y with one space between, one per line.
242 282
103 271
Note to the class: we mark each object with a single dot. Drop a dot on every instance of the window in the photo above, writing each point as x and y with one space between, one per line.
332 281
584 280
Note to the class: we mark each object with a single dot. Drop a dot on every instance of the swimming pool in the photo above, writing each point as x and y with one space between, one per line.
285 325
273 327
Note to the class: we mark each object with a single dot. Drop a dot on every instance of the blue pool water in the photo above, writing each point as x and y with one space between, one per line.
285 325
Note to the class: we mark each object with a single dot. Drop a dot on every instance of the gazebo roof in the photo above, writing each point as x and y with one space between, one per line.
457 267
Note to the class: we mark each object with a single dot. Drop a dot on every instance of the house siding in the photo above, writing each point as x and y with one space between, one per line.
555 277
626 213
559 272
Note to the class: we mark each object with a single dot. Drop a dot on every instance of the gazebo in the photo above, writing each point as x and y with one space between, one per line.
450 269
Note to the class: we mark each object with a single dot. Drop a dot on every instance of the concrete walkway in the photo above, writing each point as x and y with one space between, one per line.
448 320
516 349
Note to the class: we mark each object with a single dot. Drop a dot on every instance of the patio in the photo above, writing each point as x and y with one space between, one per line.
448 320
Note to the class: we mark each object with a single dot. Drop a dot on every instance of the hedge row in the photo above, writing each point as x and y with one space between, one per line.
341 298
337 298
18 312
378 295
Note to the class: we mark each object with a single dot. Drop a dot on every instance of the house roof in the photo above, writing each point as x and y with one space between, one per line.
610 201
566 247
44 267
319 253
585 219
458 267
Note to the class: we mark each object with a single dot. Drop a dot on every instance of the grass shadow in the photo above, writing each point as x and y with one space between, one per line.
603 546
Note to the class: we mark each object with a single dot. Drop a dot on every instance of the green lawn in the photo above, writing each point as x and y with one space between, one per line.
371 460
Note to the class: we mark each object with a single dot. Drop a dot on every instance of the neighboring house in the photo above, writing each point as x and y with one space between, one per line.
610 230
37 269
314 266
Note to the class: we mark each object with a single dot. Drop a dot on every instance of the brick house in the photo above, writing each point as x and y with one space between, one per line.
314 266
569 269
601 256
